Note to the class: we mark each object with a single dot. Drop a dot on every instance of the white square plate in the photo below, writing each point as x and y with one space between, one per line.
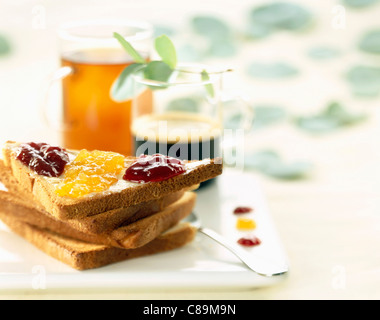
203 263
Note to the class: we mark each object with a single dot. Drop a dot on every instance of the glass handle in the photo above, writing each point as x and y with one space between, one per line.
238 108
58 75
243 105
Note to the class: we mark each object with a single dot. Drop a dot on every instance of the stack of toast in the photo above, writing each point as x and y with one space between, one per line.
123 222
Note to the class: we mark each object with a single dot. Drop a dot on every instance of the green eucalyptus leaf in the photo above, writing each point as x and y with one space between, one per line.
262 159
364 80
222 49
166 50
158 71
281 16
209 87
317 124
359 3
323 53
5 47
266 115
129 48
336 111
370 42
269 163
276 70
258 31
333 117
219 35
289 171
123 87
211 27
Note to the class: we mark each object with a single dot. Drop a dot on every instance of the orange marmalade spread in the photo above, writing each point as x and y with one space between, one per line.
245 224
90 171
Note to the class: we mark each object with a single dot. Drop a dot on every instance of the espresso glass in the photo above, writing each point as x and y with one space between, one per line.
186 118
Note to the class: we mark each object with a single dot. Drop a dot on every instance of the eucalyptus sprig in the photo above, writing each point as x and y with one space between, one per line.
122 88
157 70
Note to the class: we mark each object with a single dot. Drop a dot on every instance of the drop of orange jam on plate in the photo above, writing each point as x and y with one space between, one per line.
245 224
91 171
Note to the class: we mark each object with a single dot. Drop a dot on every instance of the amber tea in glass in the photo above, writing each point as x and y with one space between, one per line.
93 120
91 61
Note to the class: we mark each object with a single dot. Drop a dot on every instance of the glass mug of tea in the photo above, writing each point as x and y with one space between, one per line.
91 60
186 120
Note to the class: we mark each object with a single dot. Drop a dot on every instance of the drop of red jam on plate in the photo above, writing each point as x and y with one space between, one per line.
154 168
240 210
43 158
249 241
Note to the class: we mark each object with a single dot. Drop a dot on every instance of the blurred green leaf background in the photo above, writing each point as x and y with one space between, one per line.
265 23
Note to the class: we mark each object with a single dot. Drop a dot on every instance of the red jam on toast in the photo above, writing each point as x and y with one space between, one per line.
43 158
154 168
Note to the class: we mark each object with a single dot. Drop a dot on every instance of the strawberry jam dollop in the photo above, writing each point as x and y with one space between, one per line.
240 210
249 241
154 168
44 159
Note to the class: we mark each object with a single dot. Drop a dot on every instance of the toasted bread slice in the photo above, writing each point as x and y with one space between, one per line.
127 236
95 224
122 194
101 222
82 255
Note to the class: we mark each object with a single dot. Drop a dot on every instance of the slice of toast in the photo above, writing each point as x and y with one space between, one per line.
94 224
82 255
128 236
122 194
